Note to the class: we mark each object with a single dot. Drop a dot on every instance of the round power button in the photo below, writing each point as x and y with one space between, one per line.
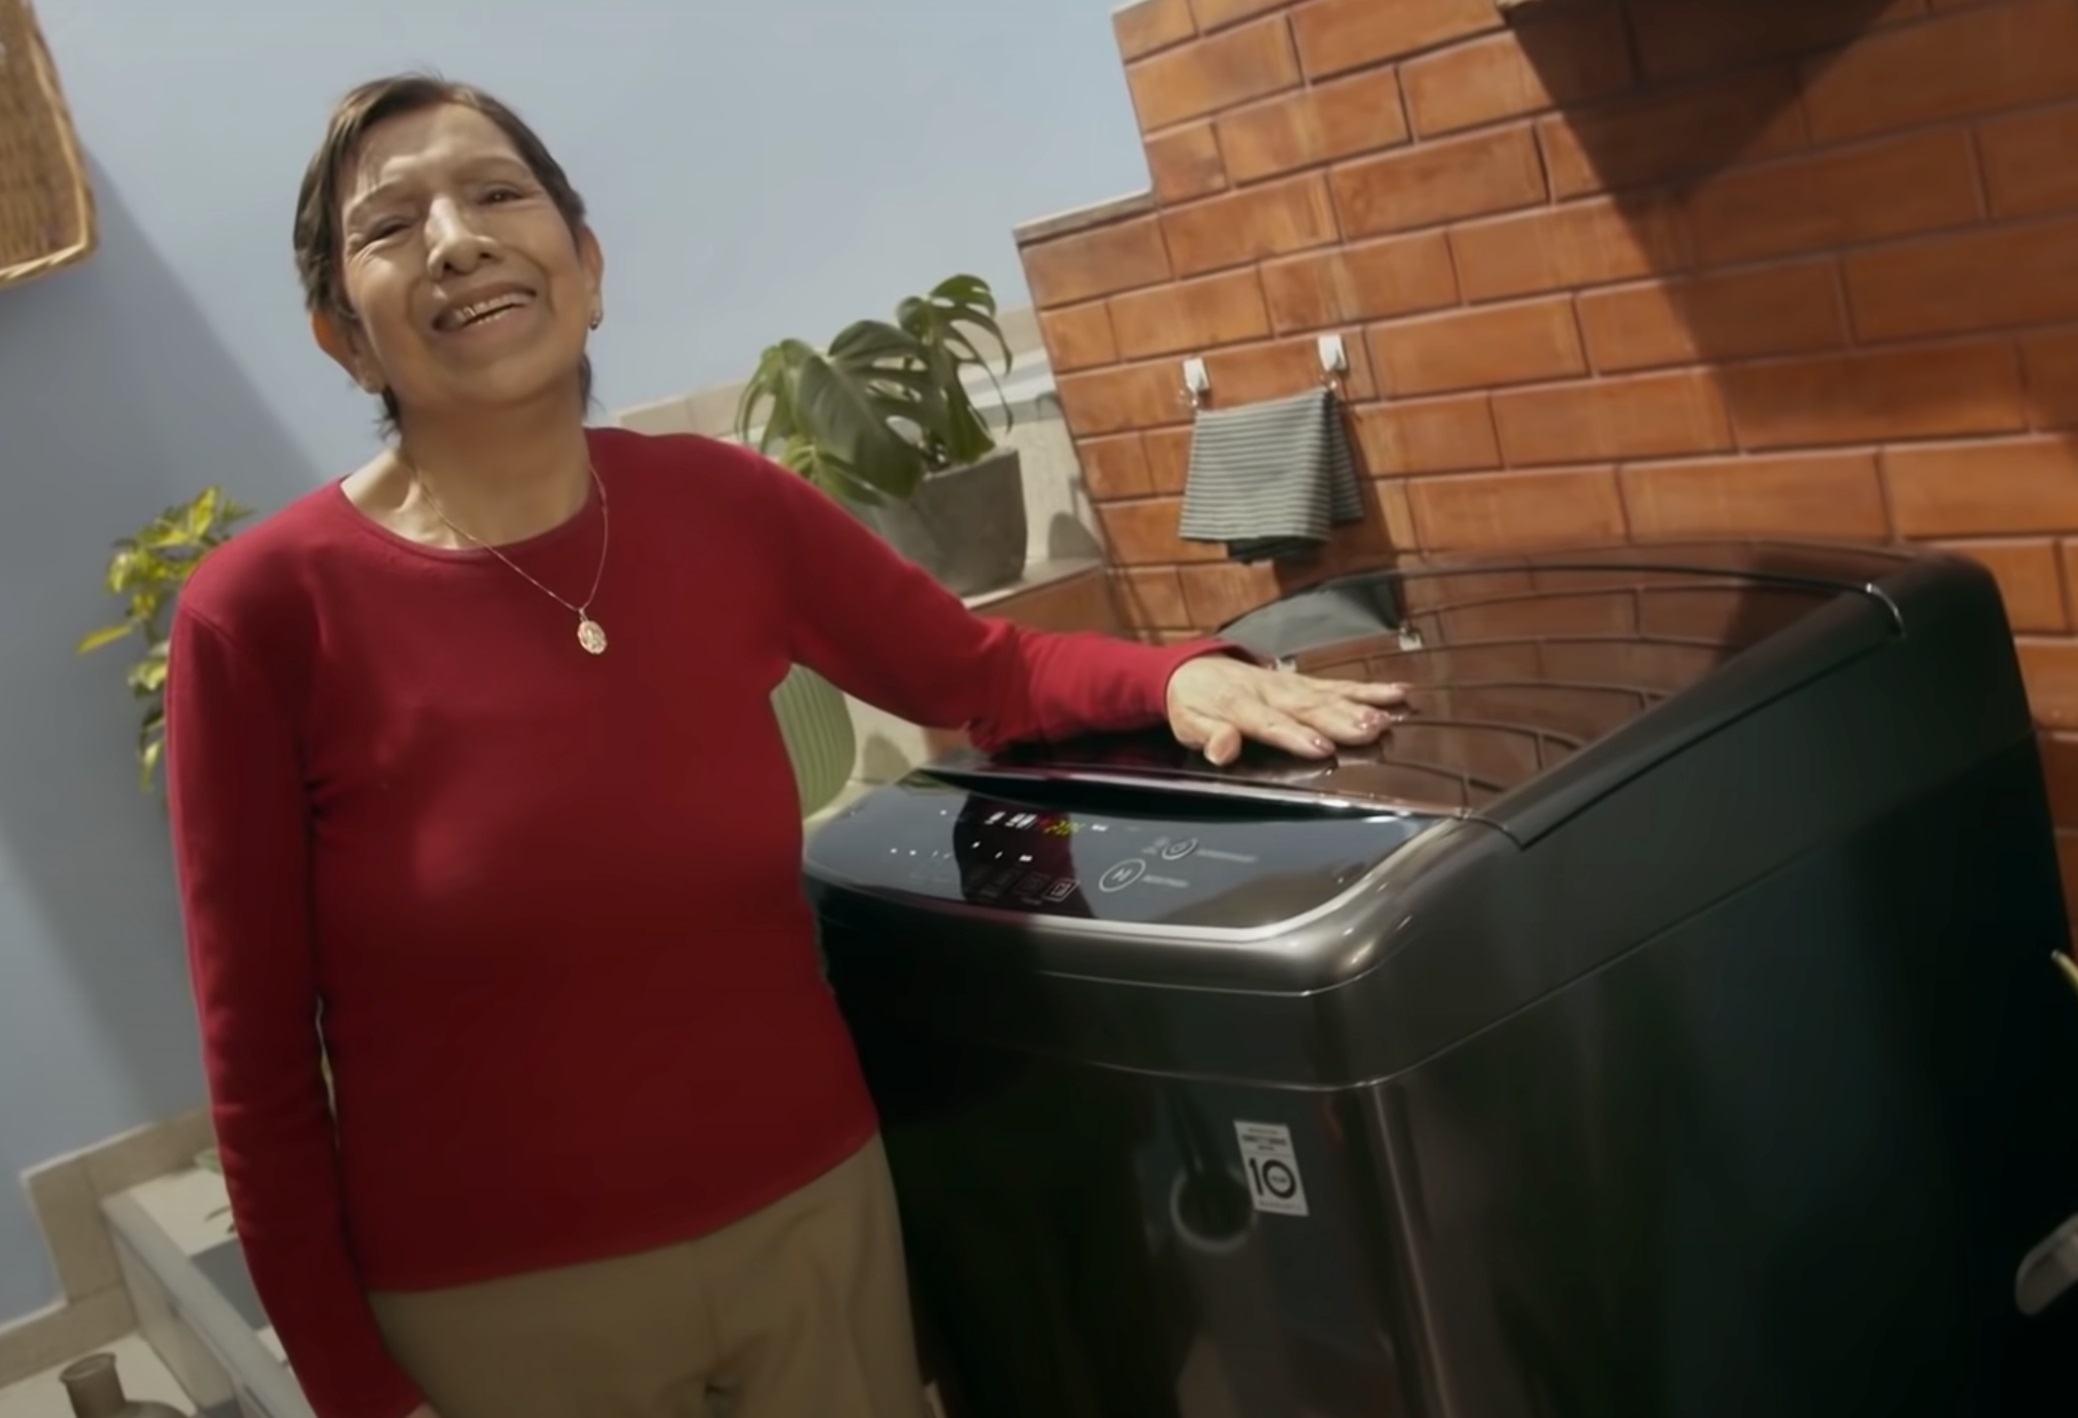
1123 875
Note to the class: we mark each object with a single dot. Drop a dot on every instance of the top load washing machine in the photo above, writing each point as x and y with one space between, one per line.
1660 1023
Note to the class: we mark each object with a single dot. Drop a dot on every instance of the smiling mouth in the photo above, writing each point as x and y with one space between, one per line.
479 312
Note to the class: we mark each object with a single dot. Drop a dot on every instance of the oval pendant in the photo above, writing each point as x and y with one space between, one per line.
591 635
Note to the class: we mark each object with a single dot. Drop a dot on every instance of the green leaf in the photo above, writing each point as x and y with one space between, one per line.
121 566
201 514
771 387
106 635
821 467
146 570
148 758
148 675
870 417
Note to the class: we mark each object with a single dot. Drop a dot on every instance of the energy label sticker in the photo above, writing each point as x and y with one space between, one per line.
1272 1165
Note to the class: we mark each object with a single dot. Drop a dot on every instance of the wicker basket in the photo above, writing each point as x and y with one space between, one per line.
46 206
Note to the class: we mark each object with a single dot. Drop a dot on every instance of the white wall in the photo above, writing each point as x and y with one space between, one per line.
755 170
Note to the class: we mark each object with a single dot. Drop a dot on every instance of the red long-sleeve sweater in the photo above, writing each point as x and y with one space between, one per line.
548 904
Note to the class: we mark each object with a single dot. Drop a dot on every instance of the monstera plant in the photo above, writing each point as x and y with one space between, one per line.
145 571
883 419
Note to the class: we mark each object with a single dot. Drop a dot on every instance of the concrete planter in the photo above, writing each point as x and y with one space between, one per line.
966 526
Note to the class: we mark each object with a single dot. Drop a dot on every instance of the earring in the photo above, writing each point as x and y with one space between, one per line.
598 318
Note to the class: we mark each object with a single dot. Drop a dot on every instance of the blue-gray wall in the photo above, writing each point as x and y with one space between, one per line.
755 170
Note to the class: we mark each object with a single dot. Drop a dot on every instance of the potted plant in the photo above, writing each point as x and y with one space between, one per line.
147 569
883 421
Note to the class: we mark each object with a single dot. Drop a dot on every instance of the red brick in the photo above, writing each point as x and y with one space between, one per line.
1207 75
1144 534
1274 219
1151 597
1637 416
2031 581
2028 162
1217 594
1336 36
1504 511
1184 163
1373 281
1078 336
1580 244
1218 14
1149 25
1120 400
1981 489
1192 315
2050 668
2060 774
1086 264
2067 868
1699 129
1976 61
1567 59
1895 187
1872 397
1313 126
1682 38
1367 542
1396 511
1439 182
2051 361
1428 436
2067 566
1115 467
1253 373
1976 280
1771 311
1821 495
1168 458
1472 349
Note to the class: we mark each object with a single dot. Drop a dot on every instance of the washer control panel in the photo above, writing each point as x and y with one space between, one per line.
1157 862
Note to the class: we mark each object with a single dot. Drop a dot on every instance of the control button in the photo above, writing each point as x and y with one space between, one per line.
1177 851
1061 890
1123 875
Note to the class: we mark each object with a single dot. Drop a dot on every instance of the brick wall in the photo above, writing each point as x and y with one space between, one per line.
1604 270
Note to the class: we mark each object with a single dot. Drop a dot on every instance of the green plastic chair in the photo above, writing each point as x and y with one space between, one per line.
819 736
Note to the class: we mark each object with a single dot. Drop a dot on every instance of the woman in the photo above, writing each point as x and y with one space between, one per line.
477 793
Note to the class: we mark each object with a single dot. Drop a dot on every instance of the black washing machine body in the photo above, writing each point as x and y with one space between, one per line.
1661 1023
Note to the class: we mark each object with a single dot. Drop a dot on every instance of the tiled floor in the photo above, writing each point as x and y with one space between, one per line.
145 1379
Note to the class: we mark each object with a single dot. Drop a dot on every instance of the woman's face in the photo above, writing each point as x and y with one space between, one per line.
469 289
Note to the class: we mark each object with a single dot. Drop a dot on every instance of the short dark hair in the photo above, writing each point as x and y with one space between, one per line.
319 239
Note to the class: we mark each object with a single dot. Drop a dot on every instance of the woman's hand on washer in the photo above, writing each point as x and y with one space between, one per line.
1217 702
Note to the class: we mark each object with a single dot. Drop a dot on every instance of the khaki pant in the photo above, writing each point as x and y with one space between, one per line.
798 1311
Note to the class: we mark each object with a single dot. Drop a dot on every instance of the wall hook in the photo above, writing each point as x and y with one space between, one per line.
1334 362
1197 384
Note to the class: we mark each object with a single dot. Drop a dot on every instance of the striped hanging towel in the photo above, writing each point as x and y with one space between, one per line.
1270 480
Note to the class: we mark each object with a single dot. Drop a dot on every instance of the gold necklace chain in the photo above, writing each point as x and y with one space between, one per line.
590 634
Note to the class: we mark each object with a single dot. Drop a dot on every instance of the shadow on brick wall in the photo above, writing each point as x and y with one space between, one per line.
1859 214
1712 82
